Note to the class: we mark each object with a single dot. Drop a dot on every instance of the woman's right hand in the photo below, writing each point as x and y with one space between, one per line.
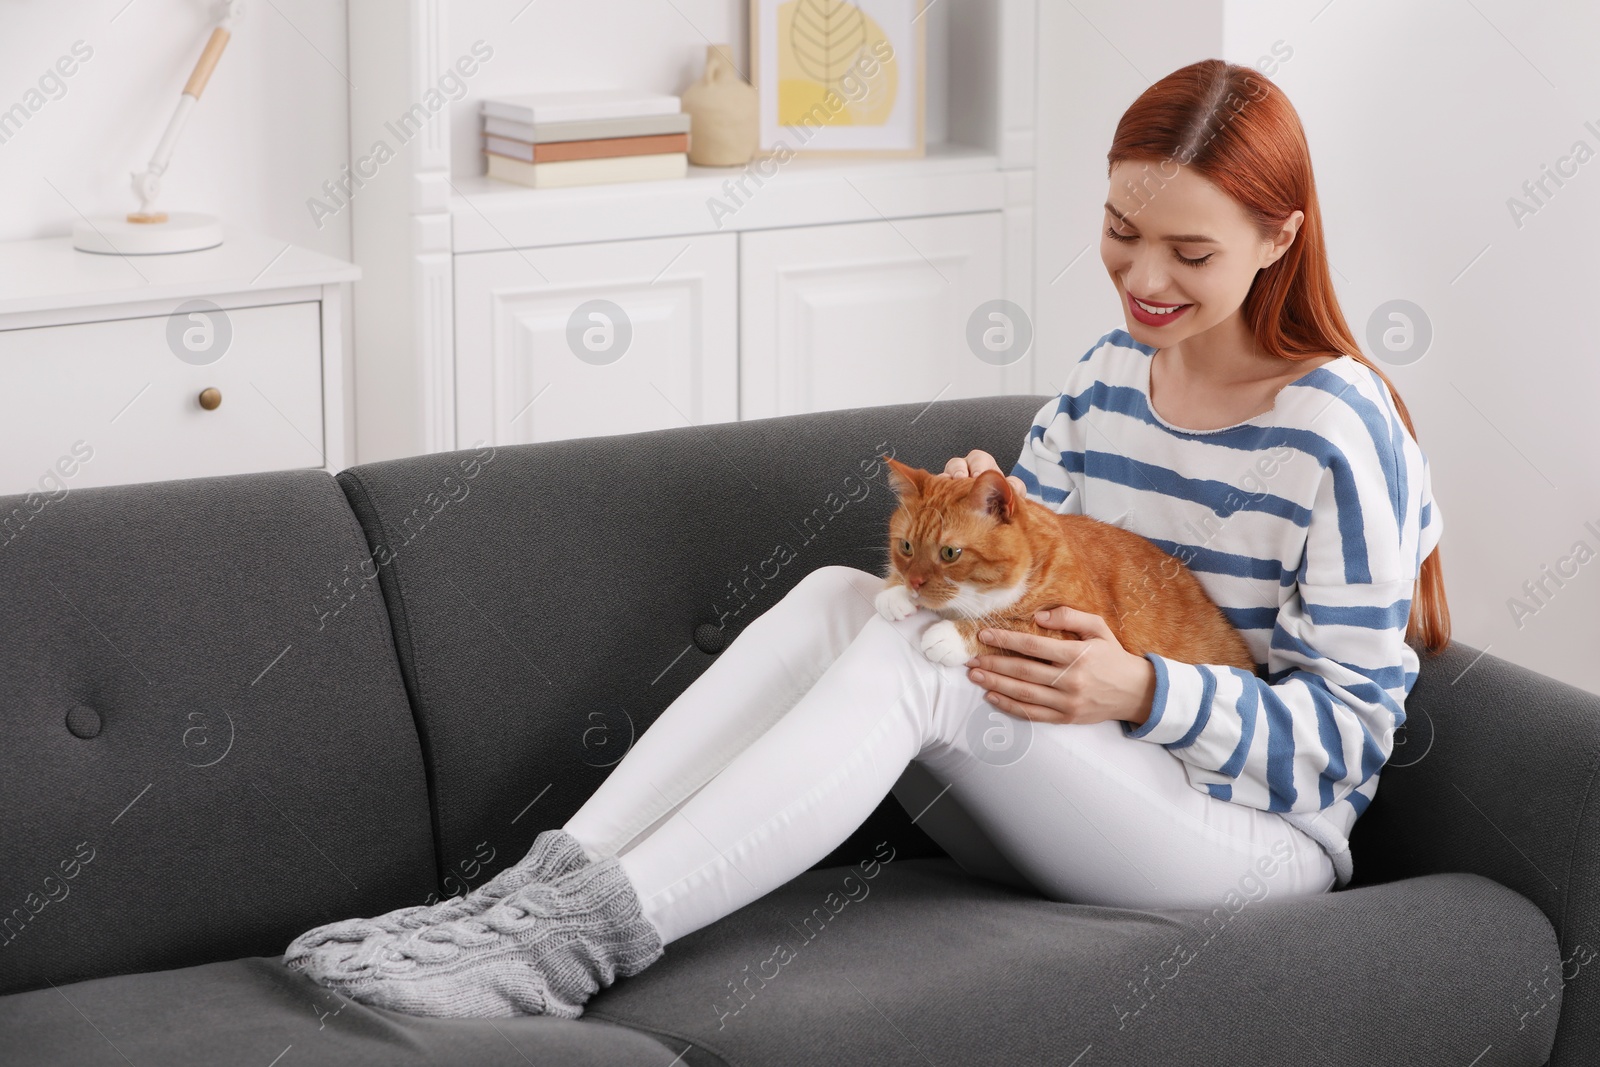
975 463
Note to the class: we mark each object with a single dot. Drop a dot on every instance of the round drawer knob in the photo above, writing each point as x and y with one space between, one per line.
211 399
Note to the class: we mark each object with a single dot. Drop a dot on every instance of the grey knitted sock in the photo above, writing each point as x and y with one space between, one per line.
543 949
554 853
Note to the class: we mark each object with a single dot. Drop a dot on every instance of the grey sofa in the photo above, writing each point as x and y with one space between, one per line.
236 708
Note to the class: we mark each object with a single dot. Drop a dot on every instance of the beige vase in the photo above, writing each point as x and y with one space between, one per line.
723 121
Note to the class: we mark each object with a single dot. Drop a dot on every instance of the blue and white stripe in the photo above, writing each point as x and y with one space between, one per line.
1307 525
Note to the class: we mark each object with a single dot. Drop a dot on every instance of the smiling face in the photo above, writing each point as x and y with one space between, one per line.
1180 242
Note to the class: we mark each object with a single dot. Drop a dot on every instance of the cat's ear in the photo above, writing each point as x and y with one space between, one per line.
906 480
993 495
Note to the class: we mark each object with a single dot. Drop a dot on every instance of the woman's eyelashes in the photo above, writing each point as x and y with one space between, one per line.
1202 261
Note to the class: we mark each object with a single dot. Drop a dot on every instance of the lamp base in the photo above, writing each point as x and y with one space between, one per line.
115 235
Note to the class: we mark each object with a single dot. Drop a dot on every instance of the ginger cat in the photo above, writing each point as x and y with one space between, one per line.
978 553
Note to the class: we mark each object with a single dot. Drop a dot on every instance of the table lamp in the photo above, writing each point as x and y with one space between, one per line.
148 232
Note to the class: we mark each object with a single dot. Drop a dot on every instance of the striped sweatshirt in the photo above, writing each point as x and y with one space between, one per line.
1307 525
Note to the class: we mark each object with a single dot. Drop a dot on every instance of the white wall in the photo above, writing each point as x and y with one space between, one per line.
1424 117
269 129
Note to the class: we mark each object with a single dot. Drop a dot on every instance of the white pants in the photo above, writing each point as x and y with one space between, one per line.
808 719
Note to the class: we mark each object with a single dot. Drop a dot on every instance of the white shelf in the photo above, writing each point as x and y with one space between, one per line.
489 215
434 215
48 274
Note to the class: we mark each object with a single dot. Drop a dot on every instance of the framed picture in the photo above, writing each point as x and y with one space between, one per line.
840 77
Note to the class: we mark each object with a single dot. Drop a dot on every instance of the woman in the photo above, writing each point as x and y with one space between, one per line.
1236 424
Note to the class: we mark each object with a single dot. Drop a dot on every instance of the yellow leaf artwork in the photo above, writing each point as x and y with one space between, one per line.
833 47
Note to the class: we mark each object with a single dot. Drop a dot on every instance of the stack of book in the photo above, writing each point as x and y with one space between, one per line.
585 138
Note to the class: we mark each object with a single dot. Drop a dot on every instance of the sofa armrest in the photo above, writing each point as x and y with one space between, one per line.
1494 773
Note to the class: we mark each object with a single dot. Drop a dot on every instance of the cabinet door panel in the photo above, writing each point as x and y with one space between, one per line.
540 358
868 313
118 387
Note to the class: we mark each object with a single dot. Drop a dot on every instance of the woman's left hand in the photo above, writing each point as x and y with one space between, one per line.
1083 681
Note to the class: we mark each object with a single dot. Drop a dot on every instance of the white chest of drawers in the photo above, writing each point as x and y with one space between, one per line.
143 368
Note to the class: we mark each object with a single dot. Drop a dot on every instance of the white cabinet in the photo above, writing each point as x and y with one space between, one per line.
866 313
145 368
590 340
621 336
113 395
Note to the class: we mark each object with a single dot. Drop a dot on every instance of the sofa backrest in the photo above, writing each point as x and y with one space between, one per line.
1455 794
550 600
208 747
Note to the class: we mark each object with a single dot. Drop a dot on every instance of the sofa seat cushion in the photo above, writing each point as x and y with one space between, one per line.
918 964
923 964
255 1011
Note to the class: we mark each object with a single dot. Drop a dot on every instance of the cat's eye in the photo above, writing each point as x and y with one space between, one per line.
905 546
949 553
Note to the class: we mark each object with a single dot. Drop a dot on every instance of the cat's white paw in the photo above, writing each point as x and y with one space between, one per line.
895 603
944 645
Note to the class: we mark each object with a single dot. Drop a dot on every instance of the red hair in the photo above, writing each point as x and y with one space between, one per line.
1239 131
